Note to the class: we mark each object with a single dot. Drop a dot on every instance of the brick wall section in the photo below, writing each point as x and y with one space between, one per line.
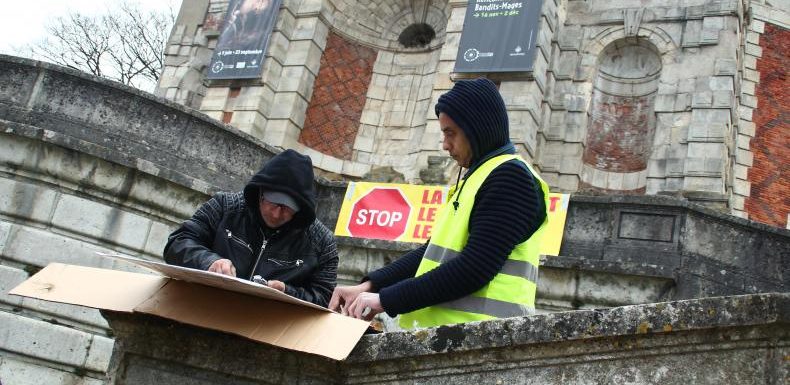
769 201
338 98
620 134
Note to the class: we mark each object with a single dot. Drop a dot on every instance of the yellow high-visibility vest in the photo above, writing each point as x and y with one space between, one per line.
512 291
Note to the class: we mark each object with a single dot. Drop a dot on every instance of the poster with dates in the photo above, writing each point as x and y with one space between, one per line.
499 36
244 38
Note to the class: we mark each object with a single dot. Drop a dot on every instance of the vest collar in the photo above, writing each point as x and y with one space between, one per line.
508 148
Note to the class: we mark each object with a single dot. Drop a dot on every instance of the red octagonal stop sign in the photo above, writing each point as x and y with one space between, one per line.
382 213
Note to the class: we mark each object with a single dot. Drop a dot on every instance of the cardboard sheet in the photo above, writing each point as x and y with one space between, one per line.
202 299
217 280
91 287
292 327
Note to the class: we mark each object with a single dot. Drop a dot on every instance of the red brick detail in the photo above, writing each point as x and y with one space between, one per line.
339 91
769 200
227 116
620 133
213 21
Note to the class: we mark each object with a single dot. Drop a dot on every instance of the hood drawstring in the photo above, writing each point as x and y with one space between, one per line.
508 148
461 188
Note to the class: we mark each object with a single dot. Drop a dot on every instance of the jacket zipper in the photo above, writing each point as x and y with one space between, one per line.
238 240
258 260
281 263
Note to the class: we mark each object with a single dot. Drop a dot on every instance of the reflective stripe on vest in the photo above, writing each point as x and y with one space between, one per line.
510 293
512 267
492 307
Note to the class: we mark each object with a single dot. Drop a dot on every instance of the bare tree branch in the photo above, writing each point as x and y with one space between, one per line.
126 44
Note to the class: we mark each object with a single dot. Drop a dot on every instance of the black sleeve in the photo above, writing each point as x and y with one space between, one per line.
190 245
318 289
402 268
508 209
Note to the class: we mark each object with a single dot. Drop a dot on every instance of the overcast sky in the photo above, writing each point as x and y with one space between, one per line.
22 21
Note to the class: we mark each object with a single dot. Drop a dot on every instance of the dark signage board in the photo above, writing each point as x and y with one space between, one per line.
499 36
245 35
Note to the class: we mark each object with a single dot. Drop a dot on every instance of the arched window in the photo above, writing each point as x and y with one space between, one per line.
622 119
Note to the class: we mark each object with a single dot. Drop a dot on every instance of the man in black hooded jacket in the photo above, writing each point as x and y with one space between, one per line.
269 230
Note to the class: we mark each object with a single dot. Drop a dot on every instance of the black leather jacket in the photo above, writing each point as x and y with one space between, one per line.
302 253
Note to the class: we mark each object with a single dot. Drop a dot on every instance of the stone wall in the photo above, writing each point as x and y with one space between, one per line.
740 340
705 252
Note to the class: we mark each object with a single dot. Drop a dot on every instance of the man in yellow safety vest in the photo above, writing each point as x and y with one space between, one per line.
482 259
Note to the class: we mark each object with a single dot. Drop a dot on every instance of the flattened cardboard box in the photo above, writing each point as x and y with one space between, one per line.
201 299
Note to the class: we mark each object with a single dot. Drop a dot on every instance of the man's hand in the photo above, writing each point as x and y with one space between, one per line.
274 284
345 295
366 306
223 266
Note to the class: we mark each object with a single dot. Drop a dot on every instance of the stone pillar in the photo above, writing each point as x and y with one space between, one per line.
187 54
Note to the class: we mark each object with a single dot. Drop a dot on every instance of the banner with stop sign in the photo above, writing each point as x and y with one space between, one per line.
406 213
393 212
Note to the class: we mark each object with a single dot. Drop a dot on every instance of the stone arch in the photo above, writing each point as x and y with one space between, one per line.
372 113
662 42
621 122
379 23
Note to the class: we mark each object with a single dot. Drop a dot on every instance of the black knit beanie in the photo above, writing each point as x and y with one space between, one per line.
477 107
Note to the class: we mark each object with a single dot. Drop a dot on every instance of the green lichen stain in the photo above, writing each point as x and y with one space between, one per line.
421 335
643 328
591 331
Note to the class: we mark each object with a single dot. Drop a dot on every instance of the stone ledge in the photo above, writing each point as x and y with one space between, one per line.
719 339
617 267
773 15
659 201
647 320
127 125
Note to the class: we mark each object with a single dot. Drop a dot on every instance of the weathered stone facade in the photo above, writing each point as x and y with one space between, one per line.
87 165
633 97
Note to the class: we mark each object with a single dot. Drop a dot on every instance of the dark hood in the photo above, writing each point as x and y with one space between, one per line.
288 172
477 107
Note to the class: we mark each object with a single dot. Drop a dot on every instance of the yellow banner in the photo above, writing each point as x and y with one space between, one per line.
406 213
394 212
552 236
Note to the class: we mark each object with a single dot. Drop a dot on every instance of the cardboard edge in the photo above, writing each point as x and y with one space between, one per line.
286 325
91 287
